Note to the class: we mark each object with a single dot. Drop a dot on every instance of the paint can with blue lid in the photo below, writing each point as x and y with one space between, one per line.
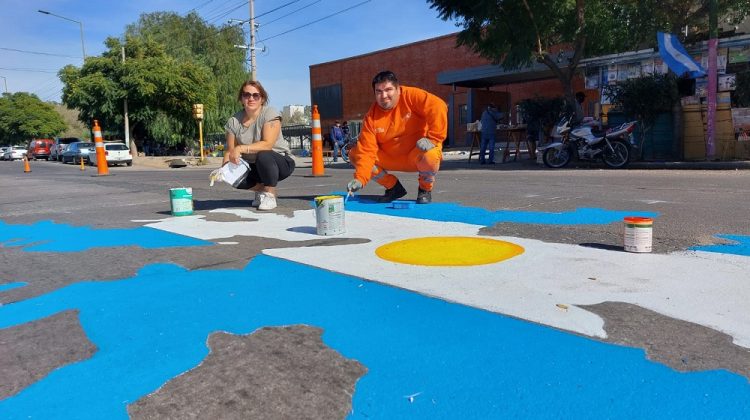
329 215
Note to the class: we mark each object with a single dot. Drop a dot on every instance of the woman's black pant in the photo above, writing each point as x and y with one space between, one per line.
268 169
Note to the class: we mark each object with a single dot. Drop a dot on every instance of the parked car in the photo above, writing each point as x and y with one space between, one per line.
39 148
14 152
115 153
75 152
61 143
3 149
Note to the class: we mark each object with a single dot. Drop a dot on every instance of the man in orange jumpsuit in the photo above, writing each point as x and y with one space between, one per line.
403 131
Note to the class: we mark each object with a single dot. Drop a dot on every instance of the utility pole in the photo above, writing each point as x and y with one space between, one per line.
713 43
253 68
125 109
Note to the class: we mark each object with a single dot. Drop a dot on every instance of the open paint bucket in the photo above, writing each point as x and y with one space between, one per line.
638 234
329 215
181 200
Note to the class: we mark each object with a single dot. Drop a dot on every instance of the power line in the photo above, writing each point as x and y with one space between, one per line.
290 13
273 10
227 12
199 6
38 52
31 70
315 21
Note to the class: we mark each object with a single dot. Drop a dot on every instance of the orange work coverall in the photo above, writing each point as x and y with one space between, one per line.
389 136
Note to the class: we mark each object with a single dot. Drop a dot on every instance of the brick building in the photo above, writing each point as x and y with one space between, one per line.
342 88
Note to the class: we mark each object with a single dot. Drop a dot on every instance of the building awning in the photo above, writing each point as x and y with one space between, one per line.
494 74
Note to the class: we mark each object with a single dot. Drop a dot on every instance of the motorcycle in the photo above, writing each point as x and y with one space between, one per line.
584 143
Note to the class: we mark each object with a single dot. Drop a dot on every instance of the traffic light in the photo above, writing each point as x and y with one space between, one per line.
198 111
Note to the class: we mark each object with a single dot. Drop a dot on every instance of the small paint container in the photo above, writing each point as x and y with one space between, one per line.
181 200
329 215
402 204
638 234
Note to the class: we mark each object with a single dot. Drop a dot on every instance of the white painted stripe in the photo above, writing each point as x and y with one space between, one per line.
97 133
316 124
529 286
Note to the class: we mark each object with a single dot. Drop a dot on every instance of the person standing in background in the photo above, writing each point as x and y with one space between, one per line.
490 117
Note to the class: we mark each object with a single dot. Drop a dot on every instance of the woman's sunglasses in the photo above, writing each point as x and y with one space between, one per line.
255 95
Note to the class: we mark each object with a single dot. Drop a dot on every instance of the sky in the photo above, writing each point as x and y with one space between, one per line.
34 46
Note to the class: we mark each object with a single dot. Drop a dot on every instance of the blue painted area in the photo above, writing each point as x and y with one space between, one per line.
741 247
452 212
463 362
50 236
9 286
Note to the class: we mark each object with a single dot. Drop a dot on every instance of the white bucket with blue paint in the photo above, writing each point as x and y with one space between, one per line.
329 215
181 200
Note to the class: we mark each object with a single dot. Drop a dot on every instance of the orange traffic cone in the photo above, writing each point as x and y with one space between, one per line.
317 144
101 157
26 167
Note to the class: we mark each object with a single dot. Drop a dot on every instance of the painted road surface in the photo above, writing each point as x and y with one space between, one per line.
471 340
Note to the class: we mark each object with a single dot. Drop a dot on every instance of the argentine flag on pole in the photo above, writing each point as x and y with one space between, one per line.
678 60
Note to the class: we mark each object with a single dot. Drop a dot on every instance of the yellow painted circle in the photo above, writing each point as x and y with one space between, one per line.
448 251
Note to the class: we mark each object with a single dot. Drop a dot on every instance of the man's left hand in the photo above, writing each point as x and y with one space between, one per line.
424 144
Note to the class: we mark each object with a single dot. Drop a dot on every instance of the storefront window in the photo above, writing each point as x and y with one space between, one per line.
462 114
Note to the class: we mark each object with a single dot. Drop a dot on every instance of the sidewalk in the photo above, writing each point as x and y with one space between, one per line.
458 158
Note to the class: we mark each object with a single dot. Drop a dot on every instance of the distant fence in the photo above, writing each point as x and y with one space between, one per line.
298 136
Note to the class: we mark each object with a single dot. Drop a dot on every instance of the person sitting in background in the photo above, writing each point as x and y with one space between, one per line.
490 117
254 135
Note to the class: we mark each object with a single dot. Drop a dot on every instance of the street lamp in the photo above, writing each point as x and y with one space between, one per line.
6 83
83 49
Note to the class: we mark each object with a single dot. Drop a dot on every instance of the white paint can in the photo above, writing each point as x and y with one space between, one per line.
638 234
329 215
181 200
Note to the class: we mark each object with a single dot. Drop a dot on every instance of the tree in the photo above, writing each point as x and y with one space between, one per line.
516 33
189 38
644 98
160 90
24 116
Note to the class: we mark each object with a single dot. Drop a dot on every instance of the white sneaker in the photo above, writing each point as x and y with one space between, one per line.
258 198
267 202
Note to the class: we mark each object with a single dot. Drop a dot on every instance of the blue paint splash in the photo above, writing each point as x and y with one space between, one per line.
463 362
741 247
9 286
452 212
47 235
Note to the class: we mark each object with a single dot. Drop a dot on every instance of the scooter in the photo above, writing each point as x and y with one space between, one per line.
584 143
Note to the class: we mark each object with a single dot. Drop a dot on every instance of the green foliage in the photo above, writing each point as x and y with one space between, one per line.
24 116
171 62
515 33
75 128
644 97
544 110
741 94
189 38
154 83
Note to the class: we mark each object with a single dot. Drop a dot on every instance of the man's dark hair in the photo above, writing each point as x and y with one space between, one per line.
384 76
580 96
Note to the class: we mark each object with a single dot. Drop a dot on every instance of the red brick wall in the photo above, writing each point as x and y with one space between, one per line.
416 64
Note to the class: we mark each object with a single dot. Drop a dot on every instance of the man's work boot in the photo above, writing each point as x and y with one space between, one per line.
394 193
424 197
